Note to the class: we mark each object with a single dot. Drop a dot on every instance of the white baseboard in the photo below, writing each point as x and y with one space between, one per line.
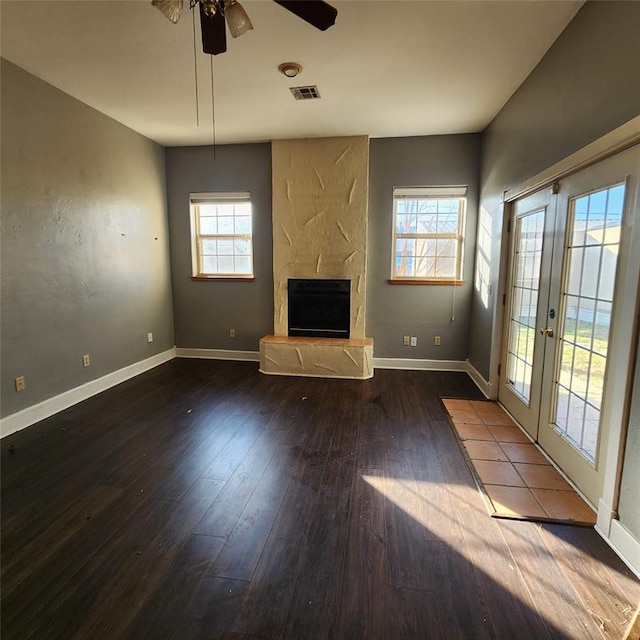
623 543
378 363
606 515
438 365
614 533
218 354
50 406
484 385
420 365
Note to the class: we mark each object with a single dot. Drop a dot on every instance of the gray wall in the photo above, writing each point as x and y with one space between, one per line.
85 267
629 508
394 311
205 311
585 86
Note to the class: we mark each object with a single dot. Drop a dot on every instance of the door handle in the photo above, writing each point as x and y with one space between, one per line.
547 331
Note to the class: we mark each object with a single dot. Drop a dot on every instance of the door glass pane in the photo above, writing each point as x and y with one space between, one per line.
524 302
592 257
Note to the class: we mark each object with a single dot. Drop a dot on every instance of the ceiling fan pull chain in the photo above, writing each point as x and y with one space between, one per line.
213 109
195 68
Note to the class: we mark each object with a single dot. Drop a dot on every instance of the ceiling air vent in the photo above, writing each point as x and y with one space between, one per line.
305 93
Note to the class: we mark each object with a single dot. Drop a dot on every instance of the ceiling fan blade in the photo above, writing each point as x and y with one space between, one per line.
214 37
316 12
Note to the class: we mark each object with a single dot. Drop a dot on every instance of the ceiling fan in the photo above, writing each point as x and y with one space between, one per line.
213 13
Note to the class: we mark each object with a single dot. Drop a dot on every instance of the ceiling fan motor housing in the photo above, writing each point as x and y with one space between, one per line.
317 13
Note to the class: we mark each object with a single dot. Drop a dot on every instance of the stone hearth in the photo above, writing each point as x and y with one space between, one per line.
321 357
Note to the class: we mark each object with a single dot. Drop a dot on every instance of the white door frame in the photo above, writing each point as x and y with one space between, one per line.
620 376
590 476
611 143
617 140
527 414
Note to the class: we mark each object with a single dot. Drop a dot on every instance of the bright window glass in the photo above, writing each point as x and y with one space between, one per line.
428 226
222 240
592 260
524 302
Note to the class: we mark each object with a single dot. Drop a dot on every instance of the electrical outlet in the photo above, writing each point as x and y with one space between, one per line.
414 341
232 333
149 337
436 340
405 341
86 360
21 385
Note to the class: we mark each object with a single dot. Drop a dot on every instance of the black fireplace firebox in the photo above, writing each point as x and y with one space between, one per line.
319 308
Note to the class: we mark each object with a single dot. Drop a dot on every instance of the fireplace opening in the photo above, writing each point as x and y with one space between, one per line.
319 308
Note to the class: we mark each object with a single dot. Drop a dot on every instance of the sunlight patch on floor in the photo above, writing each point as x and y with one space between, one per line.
478 545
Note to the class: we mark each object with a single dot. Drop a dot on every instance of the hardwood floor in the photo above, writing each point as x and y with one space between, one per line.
205 500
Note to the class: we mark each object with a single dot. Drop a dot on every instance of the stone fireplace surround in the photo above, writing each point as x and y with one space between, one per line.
320 199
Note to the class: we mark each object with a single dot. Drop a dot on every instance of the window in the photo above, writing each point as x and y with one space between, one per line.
221 233
428 225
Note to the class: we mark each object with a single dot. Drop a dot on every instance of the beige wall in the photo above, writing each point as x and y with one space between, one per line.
320 189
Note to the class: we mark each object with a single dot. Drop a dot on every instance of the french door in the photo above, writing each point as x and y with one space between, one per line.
532 227
560 305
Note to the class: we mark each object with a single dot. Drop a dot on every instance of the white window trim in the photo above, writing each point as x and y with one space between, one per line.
427 193
196 199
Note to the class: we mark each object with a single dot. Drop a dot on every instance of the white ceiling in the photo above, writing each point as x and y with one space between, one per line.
386 68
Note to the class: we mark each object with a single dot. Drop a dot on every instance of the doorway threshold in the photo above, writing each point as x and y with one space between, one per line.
515 478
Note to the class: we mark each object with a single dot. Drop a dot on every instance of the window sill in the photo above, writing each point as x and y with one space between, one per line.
223 278
427 281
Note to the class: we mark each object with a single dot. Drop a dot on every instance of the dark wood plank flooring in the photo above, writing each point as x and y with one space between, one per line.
205 500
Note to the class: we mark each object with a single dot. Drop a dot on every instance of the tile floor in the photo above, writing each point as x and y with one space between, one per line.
518 480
